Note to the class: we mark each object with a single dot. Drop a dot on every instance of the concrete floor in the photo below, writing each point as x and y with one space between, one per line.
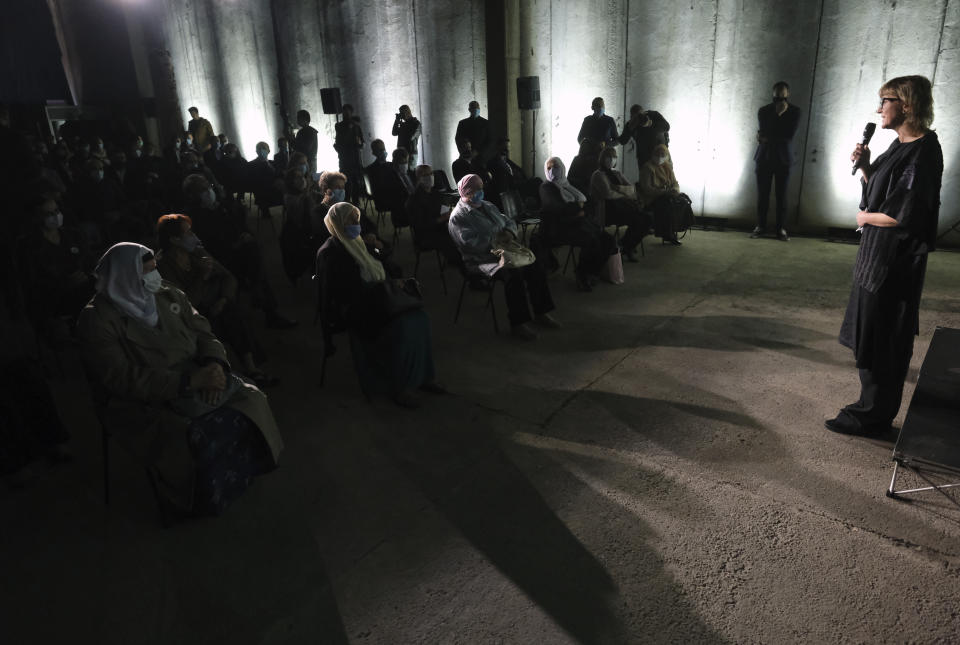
657 471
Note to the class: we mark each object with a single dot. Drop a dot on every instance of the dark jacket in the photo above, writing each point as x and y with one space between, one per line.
778 131
477 131
407 134
599 128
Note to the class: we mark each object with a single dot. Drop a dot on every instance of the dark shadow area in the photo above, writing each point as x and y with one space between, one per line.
722 333
462 469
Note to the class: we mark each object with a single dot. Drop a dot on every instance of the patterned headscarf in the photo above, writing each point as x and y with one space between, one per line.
468 186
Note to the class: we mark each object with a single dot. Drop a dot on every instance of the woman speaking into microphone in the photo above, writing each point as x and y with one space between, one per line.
898 214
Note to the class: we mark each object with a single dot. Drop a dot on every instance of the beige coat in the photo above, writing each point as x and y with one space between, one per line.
602 189
141 369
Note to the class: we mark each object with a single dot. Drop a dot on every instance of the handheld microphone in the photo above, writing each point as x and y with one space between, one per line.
868 131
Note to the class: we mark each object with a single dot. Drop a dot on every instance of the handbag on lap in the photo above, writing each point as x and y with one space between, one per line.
513 255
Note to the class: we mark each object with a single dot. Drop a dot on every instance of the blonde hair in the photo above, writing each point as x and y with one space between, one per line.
917 93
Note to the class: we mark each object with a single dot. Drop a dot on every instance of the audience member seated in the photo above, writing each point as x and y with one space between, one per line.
394 187
281 159
191 166
392 353
474 226
302 232
144 343
380 166
508 176
332 188
234 171
563 222
99 151
222 227
429 217
584 164
184 263
98 201
657 187
615 203
54 271
263 180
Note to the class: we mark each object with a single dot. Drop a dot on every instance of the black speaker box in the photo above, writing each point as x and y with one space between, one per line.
528 92
330 98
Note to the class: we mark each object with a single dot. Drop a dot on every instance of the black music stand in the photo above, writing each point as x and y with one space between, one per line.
930 438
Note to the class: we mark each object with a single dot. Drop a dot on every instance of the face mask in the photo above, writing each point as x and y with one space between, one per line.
427 182
53 221
382 156
99 146
152 281
352 231
139 144
477 197
97 176
661 160
188 242
262 153
598 112
189 141
304 168
610 163
339 194
475 112
208 199
137 153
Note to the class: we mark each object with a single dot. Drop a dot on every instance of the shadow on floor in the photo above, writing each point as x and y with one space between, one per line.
462 469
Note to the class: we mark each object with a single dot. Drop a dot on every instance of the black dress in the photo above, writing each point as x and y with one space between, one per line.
882 314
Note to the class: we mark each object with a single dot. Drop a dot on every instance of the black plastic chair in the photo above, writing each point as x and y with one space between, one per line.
489 285
514 209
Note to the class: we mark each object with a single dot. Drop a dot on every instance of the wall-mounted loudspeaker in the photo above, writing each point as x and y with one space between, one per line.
528 92
330 98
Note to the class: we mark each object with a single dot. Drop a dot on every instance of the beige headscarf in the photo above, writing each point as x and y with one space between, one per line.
662 173
338 218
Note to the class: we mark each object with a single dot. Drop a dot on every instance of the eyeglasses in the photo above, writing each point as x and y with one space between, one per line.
884 99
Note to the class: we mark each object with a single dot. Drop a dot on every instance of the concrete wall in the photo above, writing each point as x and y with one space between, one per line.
707 65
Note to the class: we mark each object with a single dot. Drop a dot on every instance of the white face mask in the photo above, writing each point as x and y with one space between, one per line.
152 281
661 160
208 199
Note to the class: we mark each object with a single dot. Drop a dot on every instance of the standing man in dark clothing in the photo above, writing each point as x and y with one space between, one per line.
281 159
476 130
348 142
778 123
406 129
598 126
200 129
306 140
648 129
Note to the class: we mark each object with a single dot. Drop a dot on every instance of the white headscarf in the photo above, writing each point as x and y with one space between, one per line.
558 177
120 277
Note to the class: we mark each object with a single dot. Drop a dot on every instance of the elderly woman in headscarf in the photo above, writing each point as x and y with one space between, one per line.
474 225
616 203
391 345
172 395
657 187
564 222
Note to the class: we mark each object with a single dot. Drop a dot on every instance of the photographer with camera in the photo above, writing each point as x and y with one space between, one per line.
406 129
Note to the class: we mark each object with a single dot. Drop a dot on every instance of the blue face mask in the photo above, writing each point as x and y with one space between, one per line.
475 112
304 168
262 153
477 197
339 195
352 231
599 112
382 156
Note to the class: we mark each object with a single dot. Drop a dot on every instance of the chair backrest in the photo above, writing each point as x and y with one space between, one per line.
367 187
440 181
512 205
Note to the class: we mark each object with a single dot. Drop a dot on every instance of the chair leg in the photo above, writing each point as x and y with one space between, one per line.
493 307
463 288
105 448
440 265
416 264
567 261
